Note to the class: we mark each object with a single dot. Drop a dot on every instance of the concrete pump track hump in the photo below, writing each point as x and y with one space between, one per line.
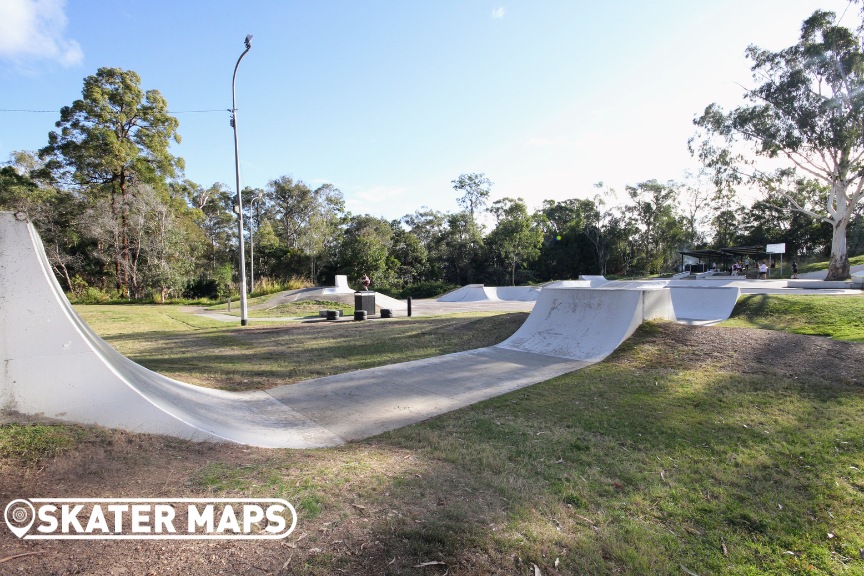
54 366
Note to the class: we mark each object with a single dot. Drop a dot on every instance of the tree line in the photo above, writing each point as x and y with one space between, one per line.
116 214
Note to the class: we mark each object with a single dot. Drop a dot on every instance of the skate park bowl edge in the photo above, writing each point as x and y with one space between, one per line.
54 366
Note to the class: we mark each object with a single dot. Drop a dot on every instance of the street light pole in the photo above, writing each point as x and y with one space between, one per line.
257 198
243 305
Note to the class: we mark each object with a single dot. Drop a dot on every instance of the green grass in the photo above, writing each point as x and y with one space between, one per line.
300 309
816 266
666 458
235 303
839 317
649 462
658 458
30 443
216 354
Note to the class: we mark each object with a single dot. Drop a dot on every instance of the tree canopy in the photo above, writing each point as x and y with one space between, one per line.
808 110
115 134
113 208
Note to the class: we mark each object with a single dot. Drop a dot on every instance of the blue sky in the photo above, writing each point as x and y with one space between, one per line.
390 101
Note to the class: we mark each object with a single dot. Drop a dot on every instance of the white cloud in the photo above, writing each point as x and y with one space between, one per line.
543 142
35 29
375 194
373 199
498 13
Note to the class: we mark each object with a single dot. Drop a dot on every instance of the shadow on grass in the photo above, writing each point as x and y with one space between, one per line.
627 469
246 359
667 455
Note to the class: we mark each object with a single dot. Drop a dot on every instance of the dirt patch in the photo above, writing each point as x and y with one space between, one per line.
741 350
356 501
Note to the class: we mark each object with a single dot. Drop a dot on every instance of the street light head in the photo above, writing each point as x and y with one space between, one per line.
248 41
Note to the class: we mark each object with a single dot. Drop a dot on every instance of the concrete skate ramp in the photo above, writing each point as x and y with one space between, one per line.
517 293
469 293
568 284
335 294
594 280
55 366
341 282
586 324
703 305
481 293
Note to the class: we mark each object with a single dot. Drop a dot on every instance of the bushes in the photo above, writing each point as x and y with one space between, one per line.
427 289
91 295
265 285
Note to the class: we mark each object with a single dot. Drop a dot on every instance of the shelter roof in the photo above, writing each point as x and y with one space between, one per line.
723 252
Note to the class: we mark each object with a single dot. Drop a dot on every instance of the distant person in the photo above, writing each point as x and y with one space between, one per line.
763 270
794 270
365 281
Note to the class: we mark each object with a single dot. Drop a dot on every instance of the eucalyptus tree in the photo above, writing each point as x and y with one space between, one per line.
319 235
518 235
55 213
463 248
567 249
408 255
165 242
695 200
306 221
365 249
475 190
23 187
654 217
114 135
806 110
292 202
212 209
606 227
770 221
18 192
430 228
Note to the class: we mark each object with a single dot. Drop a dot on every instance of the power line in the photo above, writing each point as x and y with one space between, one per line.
168 111
18 110
197 111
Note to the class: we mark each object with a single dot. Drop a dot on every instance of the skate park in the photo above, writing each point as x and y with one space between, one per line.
57 368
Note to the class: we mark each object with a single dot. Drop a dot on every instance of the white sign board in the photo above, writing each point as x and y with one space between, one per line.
775 248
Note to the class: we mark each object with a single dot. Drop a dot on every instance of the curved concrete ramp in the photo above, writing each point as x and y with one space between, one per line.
469 293
518 293
482 293
586 324
54 365
326 293
594 280
569 284
703 305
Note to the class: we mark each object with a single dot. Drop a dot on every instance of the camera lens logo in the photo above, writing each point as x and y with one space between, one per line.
19 515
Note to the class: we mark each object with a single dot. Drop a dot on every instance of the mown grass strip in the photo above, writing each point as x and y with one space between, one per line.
839 317
216 354
725 451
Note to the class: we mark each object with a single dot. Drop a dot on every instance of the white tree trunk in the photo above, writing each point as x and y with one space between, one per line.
838 267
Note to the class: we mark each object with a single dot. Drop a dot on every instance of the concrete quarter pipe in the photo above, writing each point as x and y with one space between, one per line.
55 366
